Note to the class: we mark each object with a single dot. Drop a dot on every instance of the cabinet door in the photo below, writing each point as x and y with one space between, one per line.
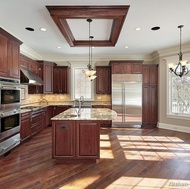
25 130
14 59
48 77
116 68
59 109
60 80
126 68
150 75
149 105
88 140
3 56
63 139
136 68
103 80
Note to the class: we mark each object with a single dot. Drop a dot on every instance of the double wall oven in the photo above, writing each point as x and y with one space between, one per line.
9 114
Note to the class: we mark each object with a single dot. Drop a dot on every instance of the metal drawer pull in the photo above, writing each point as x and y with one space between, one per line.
63 127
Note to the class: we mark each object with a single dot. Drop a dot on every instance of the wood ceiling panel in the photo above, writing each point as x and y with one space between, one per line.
60 13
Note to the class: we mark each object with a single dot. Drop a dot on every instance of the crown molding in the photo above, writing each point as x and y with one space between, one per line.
30 52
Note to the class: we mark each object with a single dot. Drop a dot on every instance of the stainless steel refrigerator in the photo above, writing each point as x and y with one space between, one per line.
127 99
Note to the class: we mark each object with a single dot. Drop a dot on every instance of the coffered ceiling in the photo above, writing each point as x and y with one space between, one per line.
113 27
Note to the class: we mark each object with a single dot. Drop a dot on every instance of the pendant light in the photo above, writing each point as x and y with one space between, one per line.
181 69
90 72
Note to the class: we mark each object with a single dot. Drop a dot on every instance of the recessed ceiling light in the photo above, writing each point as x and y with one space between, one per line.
43 29
29 29
138 29
126 47
59 47
155 28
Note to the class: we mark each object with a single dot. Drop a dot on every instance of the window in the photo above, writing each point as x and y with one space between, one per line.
179 95
82 86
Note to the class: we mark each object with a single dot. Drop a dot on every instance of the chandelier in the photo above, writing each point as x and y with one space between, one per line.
181 69
90 72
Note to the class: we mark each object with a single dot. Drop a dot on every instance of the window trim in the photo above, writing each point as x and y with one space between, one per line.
82 66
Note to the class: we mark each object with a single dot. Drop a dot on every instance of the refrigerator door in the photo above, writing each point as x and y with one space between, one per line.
127 99
117 101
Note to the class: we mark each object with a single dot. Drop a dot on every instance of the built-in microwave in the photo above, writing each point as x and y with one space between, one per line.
9 93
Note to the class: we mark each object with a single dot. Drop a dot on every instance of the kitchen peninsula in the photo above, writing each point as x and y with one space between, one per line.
76 138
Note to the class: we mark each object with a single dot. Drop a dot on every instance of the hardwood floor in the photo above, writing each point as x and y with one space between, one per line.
130 158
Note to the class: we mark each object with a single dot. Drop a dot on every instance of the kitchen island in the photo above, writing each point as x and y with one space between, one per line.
76 138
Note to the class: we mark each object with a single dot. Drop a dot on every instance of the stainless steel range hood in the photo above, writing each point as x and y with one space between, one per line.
29 78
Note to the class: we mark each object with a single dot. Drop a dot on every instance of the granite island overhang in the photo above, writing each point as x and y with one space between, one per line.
77 138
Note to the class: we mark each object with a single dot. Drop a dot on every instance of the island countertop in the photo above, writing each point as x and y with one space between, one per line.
87 114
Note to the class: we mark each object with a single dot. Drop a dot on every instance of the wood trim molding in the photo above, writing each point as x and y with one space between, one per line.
117 13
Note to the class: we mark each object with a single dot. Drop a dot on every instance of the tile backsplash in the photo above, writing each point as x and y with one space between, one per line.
35 98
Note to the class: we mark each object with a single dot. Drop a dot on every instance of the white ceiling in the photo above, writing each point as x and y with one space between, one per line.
168 15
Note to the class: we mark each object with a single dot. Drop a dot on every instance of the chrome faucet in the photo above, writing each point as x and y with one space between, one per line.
43 102
80 101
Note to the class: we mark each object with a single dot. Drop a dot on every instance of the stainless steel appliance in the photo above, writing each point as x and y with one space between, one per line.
9 129
127 99
9 93
9 114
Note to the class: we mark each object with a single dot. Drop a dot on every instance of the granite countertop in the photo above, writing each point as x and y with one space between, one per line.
87 114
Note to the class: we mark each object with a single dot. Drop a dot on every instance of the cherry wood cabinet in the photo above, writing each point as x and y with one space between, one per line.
47 76
126 66
76 140
37 120
9 55
103 80
59 109
25 130
60 79
150 96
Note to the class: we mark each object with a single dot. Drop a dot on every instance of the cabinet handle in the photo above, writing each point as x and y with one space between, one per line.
63 127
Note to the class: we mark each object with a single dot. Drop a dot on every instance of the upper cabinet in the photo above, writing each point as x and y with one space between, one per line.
150 75
47 76
9 56
126 66
103 80
60 85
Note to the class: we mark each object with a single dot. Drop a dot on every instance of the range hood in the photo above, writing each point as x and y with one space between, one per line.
29 78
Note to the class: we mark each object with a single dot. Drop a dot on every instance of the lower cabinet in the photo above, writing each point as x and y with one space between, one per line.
60 108
76 140
25 130
37 120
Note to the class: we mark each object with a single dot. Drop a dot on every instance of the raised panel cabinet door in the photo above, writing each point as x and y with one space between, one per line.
48 78
146 75
103 80
88 140
154 75
146 105
64 87
3 56
14 59
56 80
153 104
136 68
63 139
116 68
126 68
25 130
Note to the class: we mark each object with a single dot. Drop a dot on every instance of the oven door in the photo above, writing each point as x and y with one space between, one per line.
9 123
9 96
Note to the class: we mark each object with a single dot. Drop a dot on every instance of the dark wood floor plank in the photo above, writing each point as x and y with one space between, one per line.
130 158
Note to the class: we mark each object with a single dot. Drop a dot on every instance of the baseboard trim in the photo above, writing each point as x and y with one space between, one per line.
174 127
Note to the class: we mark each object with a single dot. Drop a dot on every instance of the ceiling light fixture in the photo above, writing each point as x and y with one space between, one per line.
138 29
90 72
43 29
181 69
